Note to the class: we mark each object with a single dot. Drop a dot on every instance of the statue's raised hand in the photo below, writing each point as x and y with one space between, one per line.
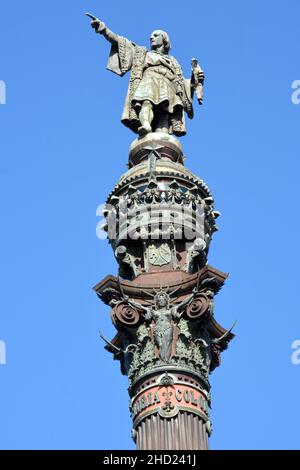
96 24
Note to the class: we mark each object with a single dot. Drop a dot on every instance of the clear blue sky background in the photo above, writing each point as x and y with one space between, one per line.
62 150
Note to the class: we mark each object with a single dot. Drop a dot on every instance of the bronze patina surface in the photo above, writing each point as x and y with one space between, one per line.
160 219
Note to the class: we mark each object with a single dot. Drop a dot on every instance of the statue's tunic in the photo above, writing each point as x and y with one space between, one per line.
155 77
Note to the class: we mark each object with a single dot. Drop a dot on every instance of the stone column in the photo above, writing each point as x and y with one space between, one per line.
160 221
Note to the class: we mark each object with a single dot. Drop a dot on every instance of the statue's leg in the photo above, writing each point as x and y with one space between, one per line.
146 117
162 124
164 342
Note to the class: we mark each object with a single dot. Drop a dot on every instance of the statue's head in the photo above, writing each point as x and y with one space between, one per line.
162 299
160 39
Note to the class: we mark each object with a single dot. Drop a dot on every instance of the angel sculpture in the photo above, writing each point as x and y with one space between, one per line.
163 314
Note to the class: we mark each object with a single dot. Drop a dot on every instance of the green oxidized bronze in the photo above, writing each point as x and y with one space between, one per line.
160 219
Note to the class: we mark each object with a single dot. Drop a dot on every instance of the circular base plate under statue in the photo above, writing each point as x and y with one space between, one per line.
161 144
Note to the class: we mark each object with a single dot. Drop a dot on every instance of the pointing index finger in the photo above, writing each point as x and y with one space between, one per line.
91 16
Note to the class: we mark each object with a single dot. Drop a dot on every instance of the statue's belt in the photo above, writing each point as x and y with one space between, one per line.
160 332
161 70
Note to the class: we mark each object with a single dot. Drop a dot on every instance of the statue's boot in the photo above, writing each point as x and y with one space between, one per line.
145 129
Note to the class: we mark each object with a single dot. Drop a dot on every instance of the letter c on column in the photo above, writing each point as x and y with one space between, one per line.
178 394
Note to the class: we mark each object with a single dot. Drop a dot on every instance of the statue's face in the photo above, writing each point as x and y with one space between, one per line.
156 39
162 301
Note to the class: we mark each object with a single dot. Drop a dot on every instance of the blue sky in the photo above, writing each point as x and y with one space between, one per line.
63 148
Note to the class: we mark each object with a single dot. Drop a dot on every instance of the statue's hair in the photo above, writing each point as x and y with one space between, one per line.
166 39
162 293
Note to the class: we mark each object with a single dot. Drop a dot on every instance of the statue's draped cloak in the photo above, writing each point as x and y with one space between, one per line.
154 77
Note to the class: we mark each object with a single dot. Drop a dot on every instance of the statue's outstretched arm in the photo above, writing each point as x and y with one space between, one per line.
100 28
185 301
137 305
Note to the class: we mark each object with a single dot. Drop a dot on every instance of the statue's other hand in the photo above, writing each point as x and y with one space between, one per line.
98 25
201 76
